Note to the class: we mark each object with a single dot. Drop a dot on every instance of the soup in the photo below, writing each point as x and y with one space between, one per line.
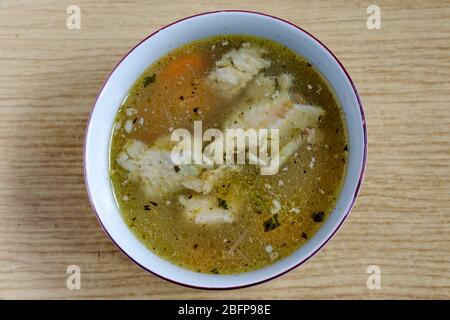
223 216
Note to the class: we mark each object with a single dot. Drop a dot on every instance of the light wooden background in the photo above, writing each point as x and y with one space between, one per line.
49 78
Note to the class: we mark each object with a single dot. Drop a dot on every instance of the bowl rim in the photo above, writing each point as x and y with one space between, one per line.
337 227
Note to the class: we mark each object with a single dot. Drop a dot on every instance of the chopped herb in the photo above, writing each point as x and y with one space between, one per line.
149 79
260 204
304 235
346 148
153 203
134 121
215 271
196 109
195 246
271 223
222 203
318 216
181 98
176 168
147 207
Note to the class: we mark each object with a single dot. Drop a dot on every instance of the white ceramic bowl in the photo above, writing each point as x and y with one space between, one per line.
115 89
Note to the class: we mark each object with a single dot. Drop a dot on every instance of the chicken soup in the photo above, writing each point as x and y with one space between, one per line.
196 196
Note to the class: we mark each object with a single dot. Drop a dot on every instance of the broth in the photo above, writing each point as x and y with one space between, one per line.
256 219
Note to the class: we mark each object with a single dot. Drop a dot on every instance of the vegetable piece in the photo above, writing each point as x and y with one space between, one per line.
181 84
149 79
215 271
318 216
222 203
271 223
183 64
260 204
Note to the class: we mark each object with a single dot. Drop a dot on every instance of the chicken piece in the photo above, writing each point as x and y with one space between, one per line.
154 168
271 107
266 104
208 209
205 181
236 68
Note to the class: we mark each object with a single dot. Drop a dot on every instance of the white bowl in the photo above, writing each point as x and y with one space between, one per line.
98 134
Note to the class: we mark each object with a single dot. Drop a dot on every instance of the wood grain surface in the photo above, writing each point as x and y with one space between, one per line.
49 78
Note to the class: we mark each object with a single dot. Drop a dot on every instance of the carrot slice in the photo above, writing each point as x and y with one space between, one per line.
189 65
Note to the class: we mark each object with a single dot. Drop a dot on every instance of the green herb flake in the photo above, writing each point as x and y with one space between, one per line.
271 223
222 203
215 271
318 216
149 79
260 204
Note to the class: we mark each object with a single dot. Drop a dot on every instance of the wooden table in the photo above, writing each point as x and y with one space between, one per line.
49 78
